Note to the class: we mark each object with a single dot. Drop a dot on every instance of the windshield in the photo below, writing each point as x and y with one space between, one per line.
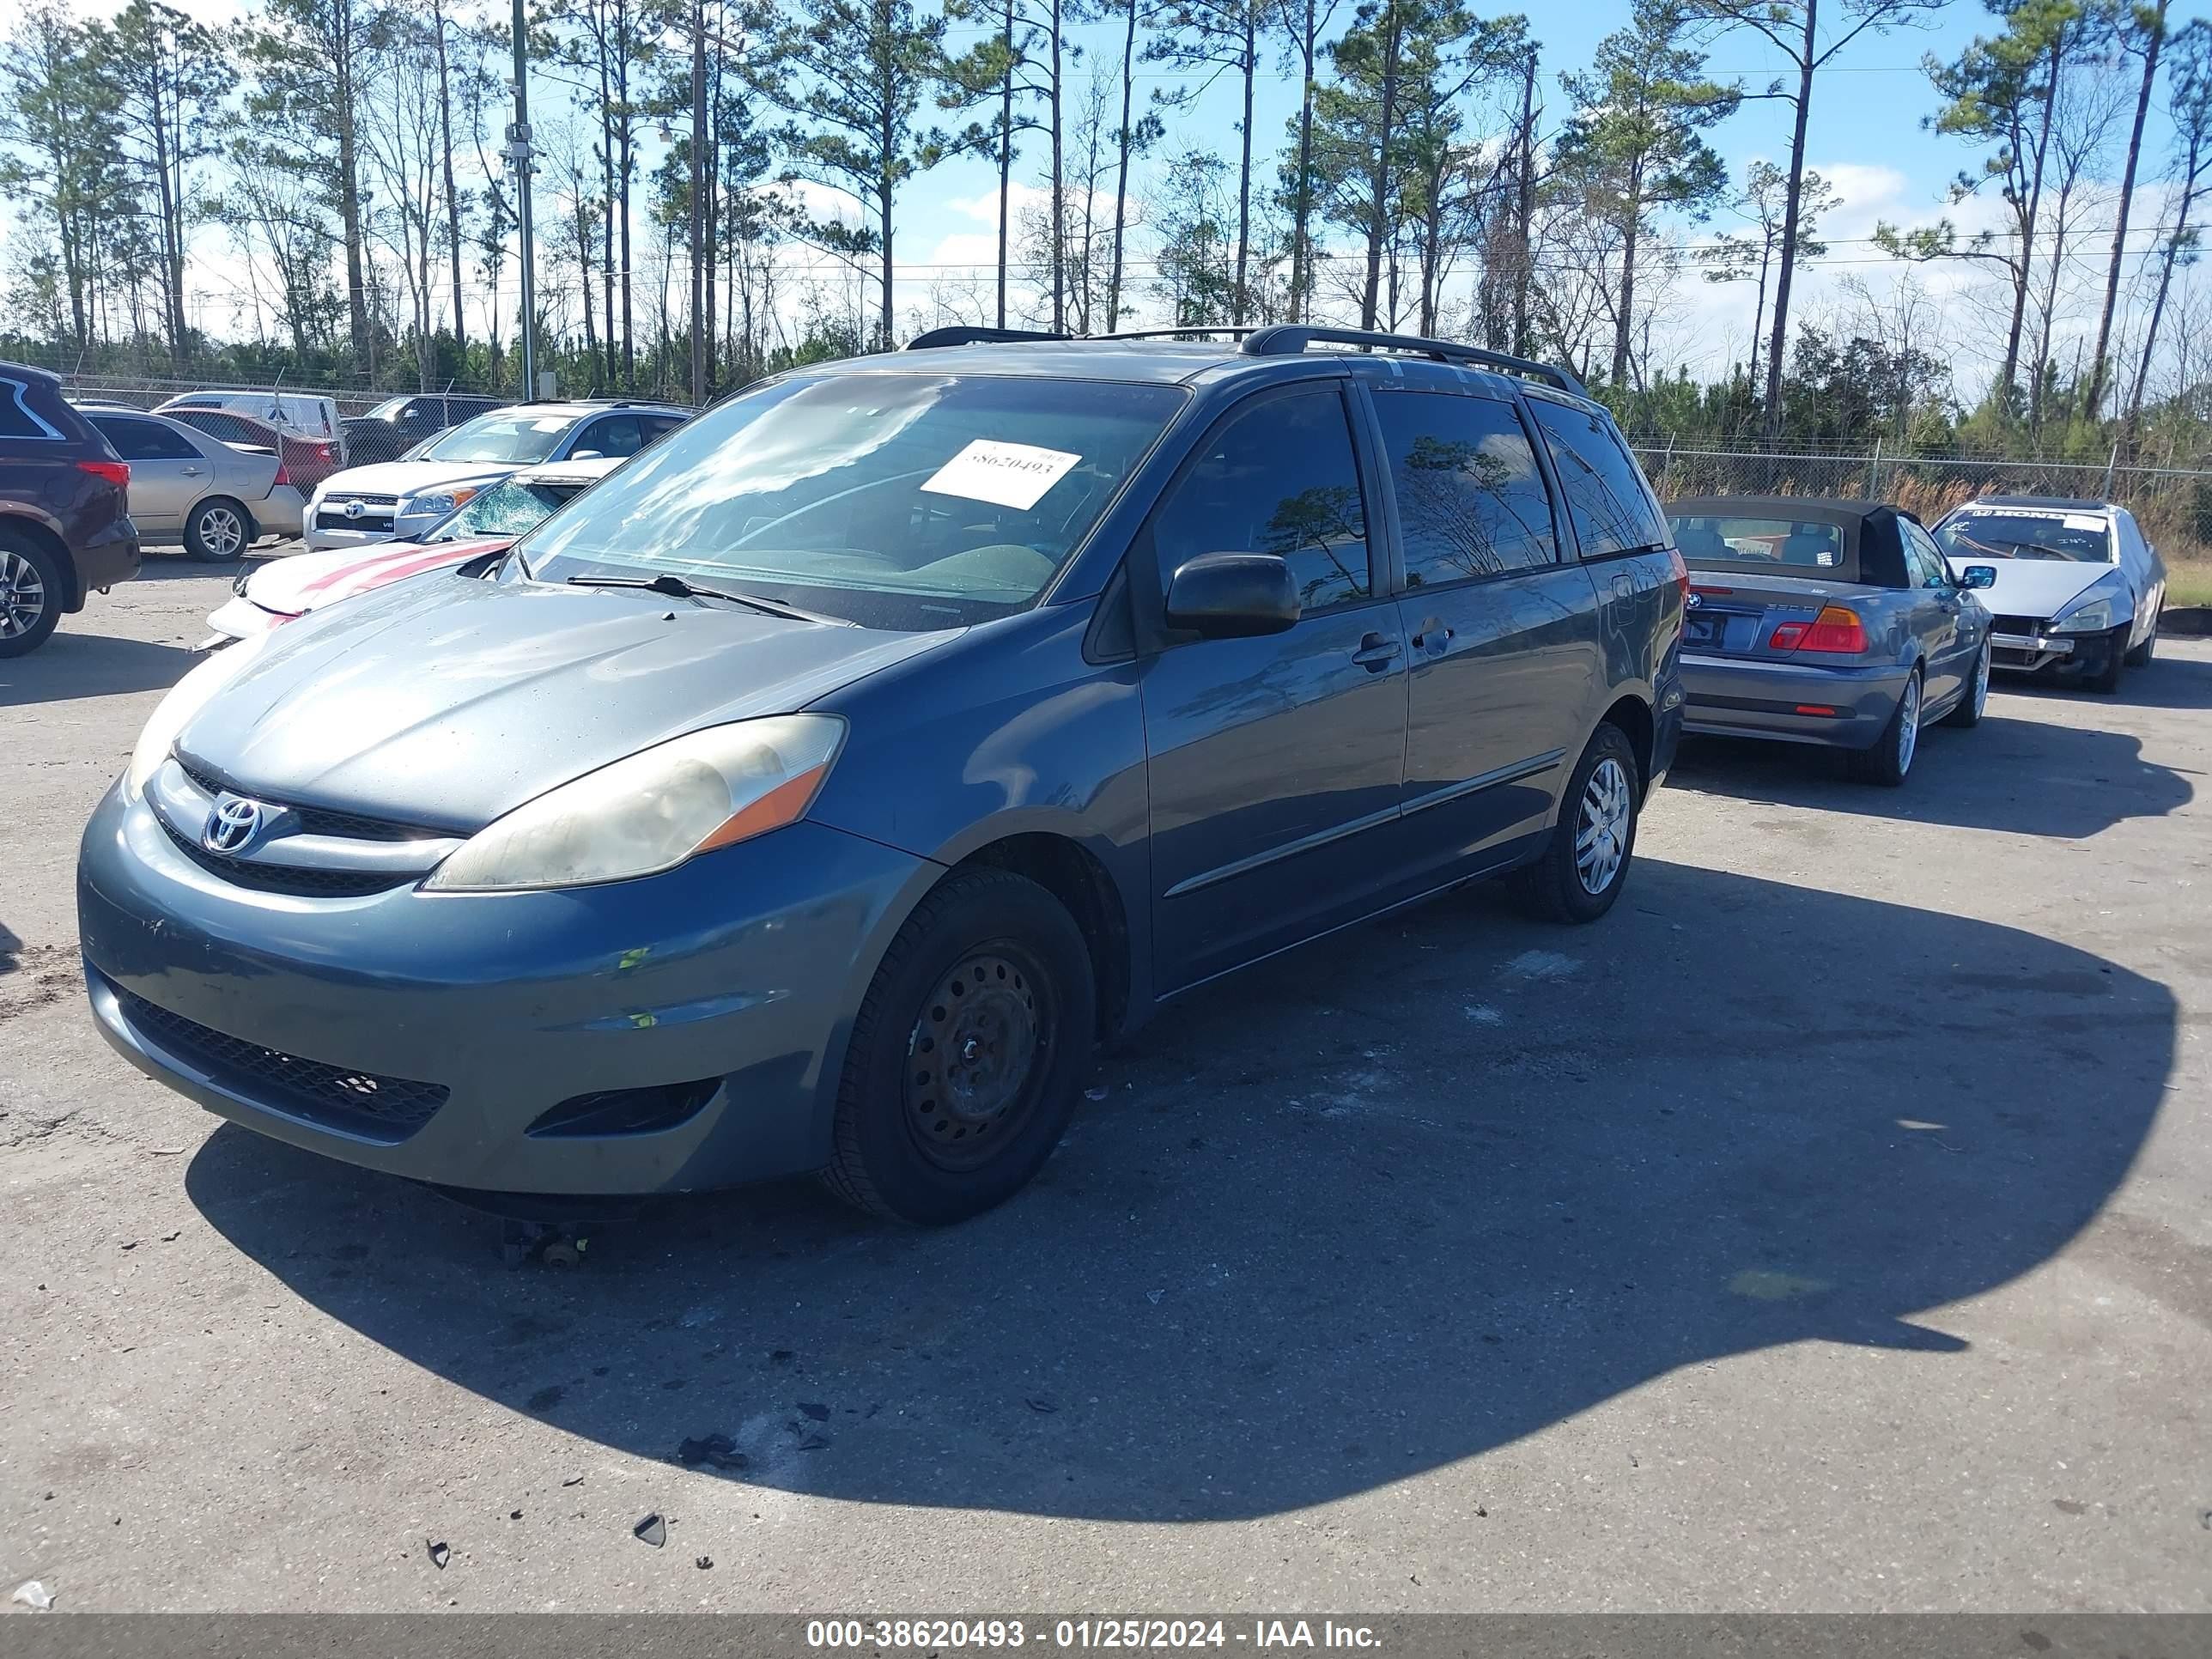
504 436
901 500
506 509
2079 538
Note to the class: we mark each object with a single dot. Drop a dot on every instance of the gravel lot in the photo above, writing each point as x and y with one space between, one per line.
1826 1230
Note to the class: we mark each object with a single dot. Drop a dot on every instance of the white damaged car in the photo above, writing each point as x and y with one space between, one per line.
401 500
2078 589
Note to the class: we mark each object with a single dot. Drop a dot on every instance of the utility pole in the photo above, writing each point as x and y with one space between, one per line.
698 201
518 152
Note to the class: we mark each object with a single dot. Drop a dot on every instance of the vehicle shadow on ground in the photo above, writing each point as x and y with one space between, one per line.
1369 1209
2026 776
172 567
2171 681
71 665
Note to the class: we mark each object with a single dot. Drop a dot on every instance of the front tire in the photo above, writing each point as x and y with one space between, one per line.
1584 863
32 594
2140 656
967 1053
1890 760
219 530
2106 680
1968 714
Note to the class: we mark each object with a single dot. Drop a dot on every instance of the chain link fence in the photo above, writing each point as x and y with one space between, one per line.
2173 504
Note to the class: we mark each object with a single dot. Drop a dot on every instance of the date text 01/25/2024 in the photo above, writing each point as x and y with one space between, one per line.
1257 1636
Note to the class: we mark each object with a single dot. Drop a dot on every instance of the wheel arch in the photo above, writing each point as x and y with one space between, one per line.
1081 881
1632 715
37 530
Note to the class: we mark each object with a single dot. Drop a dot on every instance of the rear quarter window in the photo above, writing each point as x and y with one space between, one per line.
31 414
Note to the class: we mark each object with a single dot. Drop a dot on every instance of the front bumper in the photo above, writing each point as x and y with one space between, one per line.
408 527
2027 653
1733 697
477 1013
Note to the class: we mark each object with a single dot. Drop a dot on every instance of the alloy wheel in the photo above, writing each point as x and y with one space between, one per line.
1908 725
22 595
220 533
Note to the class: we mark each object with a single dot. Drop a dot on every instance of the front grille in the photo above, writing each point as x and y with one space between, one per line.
387 1109
297 881
315 820
2017 625
375 518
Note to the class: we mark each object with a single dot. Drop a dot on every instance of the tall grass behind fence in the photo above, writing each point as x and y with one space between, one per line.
2173 504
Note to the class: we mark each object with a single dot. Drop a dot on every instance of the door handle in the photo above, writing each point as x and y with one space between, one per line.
1376 652
191 472
1434 636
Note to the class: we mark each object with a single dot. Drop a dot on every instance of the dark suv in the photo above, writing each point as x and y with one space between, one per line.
65 526
815 790
398 424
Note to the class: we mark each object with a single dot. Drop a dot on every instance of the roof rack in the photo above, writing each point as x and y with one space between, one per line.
1177 333
1288 339
960 334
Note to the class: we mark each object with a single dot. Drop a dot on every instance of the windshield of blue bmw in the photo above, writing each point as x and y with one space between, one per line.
898 501
2075 537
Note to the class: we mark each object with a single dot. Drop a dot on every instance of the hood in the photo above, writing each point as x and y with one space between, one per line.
408 477
301 582
2032 587
444 702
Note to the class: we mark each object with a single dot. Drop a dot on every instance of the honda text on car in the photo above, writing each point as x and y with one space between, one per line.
816 791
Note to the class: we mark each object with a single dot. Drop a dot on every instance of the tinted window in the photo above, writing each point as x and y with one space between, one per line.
1278 478
905 500
1471 498
19 419
1803 544
614 435
1605 497
144 440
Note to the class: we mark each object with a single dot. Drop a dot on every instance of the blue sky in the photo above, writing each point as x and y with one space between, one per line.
1866 137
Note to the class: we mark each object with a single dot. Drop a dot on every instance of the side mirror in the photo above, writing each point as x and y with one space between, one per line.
1978 575
587 455
1233 596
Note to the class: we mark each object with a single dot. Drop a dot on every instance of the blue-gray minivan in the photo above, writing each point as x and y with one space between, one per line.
815 792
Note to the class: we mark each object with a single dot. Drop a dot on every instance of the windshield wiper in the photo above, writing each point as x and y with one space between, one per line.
676 587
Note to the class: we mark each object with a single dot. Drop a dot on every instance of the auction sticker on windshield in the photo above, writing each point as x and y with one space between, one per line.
1003 474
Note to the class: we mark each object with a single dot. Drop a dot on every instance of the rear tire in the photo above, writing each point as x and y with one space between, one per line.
32 593
219 530
1890 761
2106 680
2140 656
966 1053
1584 863
1968 714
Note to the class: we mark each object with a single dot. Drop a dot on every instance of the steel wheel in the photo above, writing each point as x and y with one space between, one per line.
22 595
978 1052
1601 826
1908 725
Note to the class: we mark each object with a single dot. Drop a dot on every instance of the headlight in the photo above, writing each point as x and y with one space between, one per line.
2103 605
185 699
652 812
445 501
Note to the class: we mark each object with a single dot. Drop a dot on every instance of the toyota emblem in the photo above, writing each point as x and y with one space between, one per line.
232 825
353 509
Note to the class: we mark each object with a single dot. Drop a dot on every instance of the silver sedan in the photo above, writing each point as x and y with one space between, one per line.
217 499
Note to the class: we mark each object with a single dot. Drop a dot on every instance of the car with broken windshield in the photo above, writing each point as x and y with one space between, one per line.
815 792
